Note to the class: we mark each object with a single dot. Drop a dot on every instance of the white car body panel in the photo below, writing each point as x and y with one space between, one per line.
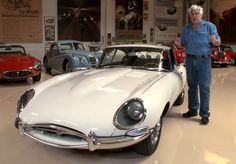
86 99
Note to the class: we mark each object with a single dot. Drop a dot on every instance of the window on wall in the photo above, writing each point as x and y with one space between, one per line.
79 20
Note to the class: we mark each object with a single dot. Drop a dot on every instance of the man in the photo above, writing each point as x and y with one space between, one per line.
197 38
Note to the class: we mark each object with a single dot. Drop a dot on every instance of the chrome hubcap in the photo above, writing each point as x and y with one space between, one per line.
155 134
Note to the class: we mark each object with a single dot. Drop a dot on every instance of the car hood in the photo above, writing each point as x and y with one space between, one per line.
16 62
87 100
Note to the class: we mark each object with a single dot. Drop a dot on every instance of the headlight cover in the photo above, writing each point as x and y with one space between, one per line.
130 114
24 99
37 65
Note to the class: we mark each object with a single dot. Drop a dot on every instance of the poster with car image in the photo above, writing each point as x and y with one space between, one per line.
129 20
166 20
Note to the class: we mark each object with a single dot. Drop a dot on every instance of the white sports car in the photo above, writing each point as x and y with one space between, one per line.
119 104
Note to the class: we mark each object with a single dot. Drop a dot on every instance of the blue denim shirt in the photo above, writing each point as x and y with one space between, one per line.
197 42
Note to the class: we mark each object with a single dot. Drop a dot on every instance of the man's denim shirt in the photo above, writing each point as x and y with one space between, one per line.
197 42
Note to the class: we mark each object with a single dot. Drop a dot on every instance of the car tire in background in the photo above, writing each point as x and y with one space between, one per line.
45 64
37 78
67 66
232 61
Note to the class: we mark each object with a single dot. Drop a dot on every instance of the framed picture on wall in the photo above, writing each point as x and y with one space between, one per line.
49 33
49 21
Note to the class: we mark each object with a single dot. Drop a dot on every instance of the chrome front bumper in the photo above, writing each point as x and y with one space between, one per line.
79 140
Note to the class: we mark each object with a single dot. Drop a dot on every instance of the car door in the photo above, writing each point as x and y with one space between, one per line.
51 55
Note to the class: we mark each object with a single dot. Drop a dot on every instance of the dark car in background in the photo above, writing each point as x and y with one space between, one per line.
16 64
229 52
68 56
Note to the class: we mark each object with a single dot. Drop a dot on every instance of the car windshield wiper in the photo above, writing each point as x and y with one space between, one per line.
113 66
158 69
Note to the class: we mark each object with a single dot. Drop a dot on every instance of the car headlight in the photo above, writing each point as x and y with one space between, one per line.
37 65
24 99
129 114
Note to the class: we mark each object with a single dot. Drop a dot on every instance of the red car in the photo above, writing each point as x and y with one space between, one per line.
179 51
219 57
15 64
229 51
180 54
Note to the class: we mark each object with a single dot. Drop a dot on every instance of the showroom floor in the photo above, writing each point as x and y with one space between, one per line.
183 141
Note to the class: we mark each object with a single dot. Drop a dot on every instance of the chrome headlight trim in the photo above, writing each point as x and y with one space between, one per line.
131 113
138 131
24 99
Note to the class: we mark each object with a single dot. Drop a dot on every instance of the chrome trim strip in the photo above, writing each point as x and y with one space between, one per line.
90 142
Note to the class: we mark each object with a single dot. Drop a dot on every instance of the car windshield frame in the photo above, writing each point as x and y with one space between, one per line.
146 58
13 49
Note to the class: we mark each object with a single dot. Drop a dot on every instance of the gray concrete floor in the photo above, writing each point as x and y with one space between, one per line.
183 141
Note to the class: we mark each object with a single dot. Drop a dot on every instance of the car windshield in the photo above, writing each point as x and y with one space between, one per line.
9 50
71 46
147 58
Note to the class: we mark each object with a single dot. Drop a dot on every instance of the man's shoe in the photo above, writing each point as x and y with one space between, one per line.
204 120
189 114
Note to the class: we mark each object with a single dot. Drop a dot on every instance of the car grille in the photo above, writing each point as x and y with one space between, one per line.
59 134
18 74
92 60
220 55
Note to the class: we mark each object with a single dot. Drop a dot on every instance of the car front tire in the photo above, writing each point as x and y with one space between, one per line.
149 145
37 78
180 99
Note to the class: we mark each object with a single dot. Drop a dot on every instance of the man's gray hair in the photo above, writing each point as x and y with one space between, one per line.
195 8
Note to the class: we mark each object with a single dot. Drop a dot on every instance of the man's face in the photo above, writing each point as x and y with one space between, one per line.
195 17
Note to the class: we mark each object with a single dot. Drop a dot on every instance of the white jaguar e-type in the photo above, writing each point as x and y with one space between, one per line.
119 104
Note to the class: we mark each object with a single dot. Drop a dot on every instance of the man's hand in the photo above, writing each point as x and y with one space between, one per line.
214 41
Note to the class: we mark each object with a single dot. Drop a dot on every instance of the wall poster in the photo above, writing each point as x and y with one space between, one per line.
49 25
79 20
223 14
129 20
21 21
166 20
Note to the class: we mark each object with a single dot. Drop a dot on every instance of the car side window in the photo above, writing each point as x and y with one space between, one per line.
118 56
173 58
166 61
54 50
107 56
78 46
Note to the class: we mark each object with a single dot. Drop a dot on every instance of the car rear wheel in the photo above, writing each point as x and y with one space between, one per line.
67 67
180 99
149 145
37 78
45 63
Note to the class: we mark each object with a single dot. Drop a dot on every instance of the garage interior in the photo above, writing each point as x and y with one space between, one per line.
183 141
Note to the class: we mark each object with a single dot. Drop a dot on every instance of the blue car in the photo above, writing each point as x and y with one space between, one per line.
68 56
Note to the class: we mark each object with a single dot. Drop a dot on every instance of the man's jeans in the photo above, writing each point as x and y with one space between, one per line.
199 78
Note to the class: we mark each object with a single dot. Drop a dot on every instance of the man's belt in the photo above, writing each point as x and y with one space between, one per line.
198 56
